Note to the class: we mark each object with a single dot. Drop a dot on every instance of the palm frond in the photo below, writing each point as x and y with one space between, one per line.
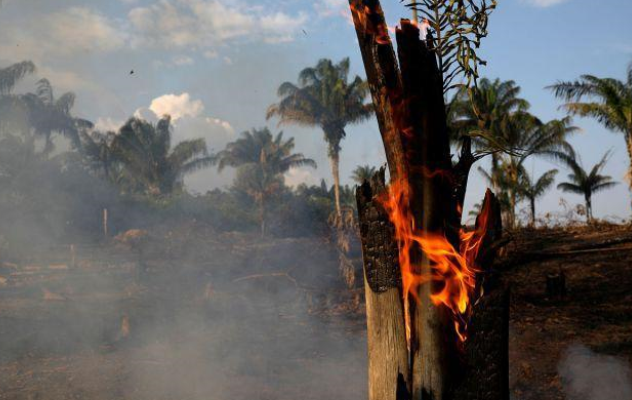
11 75
603 186
570 187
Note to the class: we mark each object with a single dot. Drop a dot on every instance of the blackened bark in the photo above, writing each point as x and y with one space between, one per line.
389 372
486 353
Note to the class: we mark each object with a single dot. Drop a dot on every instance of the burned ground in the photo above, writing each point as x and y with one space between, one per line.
231 316
596 311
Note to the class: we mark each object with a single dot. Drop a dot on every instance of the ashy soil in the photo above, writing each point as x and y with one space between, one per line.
191 314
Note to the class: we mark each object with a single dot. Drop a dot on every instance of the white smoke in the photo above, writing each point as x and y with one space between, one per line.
587 375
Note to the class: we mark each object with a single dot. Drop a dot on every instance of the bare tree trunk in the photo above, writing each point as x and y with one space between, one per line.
532 200
494 172
262 216
628 140
334 159
105 223
415 13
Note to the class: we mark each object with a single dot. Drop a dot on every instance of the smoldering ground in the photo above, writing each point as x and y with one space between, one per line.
207 316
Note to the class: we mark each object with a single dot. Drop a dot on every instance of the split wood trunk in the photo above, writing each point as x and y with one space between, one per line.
407 92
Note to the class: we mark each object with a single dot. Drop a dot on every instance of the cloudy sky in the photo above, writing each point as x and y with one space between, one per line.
214 65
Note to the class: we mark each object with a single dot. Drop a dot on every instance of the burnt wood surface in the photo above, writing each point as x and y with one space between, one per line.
486 353
389 371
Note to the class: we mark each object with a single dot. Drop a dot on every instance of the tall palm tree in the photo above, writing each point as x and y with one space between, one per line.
531 190
607 100
482 114
149 162
586 183
363 173
325 98
48 115
261 160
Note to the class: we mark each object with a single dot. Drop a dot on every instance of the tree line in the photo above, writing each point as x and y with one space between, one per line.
140 161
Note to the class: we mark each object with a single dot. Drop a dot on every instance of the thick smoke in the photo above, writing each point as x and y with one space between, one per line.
587 375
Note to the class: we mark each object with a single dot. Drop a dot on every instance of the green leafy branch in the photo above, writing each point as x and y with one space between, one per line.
456 28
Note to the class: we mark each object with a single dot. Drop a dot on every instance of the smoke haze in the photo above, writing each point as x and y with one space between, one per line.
587 375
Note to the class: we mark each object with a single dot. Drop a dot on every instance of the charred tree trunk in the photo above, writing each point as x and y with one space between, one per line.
388 356
407 92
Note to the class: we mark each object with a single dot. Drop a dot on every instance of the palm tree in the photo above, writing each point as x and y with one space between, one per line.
149 163
325 98
261 160
611 105
48 114
97 149
523 136
533 190
363 173
481 115
9 77
586 183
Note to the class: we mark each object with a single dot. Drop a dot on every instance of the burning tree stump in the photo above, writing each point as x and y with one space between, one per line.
422 286
388 356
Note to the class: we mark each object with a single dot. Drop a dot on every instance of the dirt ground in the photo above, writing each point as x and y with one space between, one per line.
201 316
596 312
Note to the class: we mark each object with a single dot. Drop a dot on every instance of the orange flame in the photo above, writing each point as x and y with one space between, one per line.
454 270
362 17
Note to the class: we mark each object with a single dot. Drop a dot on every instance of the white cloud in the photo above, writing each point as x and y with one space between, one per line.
195 24
71 31
177 106
544 3
188 119
280 27
224 124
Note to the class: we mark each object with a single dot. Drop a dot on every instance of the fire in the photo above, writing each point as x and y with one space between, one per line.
453 269
361 15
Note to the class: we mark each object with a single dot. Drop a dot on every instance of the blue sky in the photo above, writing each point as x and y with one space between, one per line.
216 64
